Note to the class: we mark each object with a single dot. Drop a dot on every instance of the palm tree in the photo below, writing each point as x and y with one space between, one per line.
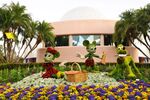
43 33
12 18
132 25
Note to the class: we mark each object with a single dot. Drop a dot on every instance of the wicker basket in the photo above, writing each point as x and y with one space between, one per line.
76 76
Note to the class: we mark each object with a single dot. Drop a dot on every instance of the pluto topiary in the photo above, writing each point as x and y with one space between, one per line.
125 67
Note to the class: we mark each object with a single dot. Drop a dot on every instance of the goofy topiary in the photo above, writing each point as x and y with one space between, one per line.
125 68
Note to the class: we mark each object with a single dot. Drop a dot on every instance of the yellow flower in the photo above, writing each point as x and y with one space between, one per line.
10 35
79 98
2 97
8 84
43 98
58 74
148 89
144 95
60 97
138 97
85 98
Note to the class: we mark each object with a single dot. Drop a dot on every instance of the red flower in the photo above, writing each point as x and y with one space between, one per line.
51 50
89 62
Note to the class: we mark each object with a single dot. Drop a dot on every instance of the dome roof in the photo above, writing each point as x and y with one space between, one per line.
82 13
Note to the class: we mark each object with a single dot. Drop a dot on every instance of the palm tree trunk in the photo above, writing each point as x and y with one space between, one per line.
4 44
25 47
143 43
138 48
146 41
35 45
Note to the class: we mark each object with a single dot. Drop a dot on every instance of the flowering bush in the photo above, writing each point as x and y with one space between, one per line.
37 80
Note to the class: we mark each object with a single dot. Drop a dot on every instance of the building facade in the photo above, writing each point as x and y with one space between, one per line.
70 35
77 25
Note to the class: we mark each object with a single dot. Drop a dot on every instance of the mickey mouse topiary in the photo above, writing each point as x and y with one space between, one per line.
91 49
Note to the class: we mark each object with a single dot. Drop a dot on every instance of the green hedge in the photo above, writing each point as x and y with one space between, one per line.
16 72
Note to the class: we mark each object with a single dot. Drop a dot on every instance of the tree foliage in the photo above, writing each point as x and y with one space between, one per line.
134 25
23 30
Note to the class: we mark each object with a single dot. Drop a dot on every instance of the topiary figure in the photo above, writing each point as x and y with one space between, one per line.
50 55
91 49
125 67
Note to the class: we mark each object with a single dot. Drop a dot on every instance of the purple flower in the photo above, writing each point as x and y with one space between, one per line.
73 97
53 97
102 91
66 87
79 86
53 87
91 97
50 92
144 89
149 97
130 90
121 86
92 86
39 90
101 94
114 89
24 92
142 81
120 93
146 84
131 97
134 85
106 86
82 93
21 96
110 97
66 93
138 93
41 87
8 95
27 88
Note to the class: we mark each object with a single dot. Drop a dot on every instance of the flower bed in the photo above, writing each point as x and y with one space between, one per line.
132 90
37 80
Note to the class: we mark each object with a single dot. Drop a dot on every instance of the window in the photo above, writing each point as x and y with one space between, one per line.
62 40
108 40
78 39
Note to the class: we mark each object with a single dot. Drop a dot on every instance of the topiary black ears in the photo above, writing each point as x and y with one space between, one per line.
57 55
86 43
94 42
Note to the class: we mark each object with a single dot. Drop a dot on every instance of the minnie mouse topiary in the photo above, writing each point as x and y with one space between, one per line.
50 55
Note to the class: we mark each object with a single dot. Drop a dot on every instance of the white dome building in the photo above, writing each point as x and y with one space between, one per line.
79 24
82 13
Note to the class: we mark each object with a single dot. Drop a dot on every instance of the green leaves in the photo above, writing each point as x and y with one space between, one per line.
14 19
133 25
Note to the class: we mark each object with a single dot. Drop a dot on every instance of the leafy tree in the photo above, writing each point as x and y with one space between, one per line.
134 25
19 31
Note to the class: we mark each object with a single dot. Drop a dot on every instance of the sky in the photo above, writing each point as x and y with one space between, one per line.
53 10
